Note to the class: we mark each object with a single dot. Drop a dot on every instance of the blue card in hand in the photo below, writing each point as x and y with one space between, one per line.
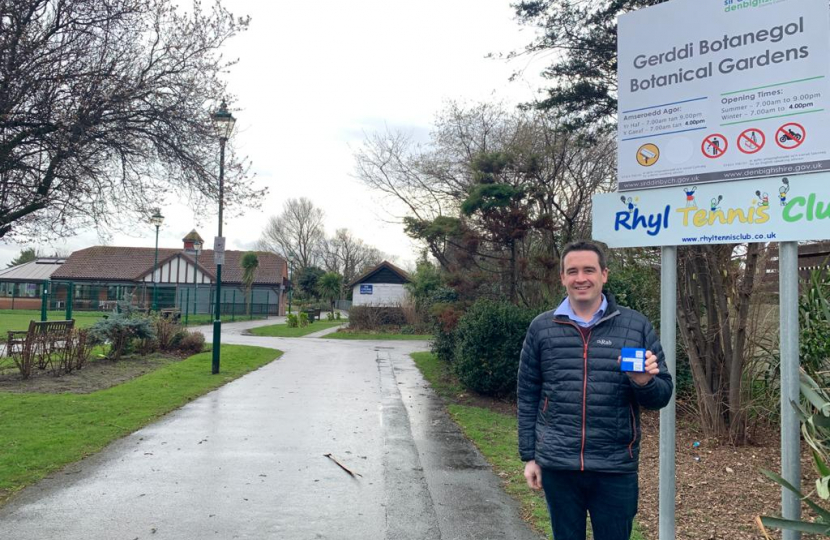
633 359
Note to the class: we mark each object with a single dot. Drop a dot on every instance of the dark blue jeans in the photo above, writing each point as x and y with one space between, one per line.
610 499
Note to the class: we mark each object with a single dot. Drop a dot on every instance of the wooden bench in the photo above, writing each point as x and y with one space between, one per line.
313 314
174 314
36 345
39 331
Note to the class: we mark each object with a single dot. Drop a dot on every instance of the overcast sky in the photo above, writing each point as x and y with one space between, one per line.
314 77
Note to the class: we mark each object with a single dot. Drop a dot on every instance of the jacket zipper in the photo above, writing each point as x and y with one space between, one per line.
633 431
545 406
585 341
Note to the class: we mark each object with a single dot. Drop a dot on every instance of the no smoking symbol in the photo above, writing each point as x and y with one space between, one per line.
790 136
751 141
714 145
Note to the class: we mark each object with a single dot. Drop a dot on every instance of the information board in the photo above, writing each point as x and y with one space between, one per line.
723 90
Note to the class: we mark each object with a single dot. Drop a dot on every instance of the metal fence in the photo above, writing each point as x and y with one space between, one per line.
106 297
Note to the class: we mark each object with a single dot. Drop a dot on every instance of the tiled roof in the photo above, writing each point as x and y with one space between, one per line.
37 270
108 263
384 264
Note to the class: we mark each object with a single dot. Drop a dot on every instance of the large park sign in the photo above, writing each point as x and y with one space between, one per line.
723 90
723 133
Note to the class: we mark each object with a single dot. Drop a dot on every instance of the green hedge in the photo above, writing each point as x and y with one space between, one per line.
489 341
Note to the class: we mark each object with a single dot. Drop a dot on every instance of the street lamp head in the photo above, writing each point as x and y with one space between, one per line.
157 219
197 247
223 121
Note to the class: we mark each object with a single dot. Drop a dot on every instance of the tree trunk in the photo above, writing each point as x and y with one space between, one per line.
743 295
513 277
709 411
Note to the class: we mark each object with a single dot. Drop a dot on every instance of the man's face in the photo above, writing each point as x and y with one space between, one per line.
582 277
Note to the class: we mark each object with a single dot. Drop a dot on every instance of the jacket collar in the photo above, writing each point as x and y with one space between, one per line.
611 311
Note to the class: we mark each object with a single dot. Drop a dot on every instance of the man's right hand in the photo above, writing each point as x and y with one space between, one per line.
533 474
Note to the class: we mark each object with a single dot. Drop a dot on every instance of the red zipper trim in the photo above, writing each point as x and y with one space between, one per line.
585 341
545 406
633 431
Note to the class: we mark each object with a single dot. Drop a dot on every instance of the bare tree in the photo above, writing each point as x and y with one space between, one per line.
105 110
349 256
297 233
525 183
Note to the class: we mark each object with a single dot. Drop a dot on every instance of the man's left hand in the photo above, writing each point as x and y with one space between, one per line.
652 369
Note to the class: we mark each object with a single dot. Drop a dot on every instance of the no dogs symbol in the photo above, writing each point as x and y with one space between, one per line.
714 145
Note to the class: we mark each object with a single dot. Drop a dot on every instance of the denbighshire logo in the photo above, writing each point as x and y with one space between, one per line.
734 5
603 342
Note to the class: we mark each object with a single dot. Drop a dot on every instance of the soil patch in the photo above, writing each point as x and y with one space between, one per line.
98 374
720 487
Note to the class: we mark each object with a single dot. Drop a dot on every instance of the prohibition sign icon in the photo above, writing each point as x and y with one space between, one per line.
714 145
751 140
790 136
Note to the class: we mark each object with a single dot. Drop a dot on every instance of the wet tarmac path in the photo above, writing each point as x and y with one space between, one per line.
248 461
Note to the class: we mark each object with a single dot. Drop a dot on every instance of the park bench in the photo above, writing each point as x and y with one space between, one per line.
36 345
174 314
41 332
313 314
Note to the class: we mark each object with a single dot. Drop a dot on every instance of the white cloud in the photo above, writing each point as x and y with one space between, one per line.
313 77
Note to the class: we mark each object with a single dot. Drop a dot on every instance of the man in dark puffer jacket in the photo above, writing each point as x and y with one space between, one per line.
579 415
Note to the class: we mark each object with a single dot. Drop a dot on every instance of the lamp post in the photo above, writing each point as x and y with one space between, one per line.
156 219
290 286
197 248
223 122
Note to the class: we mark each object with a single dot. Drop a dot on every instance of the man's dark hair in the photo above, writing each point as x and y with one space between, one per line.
582 245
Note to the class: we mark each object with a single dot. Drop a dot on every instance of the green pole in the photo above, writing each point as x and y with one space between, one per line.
290 289
196 280
217 321
233 313
44 300
155 266
186 307
227 119
69 300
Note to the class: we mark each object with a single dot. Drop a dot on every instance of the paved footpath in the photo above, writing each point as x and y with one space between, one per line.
247 461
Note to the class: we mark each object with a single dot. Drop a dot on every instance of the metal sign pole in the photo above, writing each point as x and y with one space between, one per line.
668 338
790 427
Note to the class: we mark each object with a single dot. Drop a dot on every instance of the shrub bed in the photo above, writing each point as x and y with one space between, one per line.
376 318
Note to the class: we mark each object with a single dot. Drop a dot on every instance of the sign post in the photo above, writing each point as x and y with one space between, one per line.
723 138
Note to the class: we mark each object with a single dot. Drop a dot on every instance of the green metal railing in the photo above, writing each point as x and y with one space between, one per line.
71 297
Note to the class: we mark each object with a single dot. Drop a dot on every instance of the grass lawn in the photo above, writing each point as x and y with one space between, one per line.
282 330
379 336
18 319
41 433
495 435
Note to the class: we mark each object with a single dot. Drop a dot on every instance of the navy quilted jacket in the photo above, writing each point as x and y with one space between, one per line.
577 410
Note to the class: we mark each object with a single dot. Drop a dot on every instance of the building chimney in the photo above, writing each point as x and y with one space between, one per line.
192 238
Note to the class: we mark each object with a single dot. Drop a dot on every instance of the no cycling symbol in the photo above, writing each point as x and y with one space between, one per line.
751 141
714 145
790 136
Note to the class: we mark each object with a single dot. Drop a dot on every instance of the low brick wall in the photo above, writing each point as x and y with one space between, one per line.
19 303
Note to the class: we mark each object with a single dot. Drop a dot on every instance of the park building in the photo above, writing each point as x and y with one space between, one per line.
381 286
99 277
